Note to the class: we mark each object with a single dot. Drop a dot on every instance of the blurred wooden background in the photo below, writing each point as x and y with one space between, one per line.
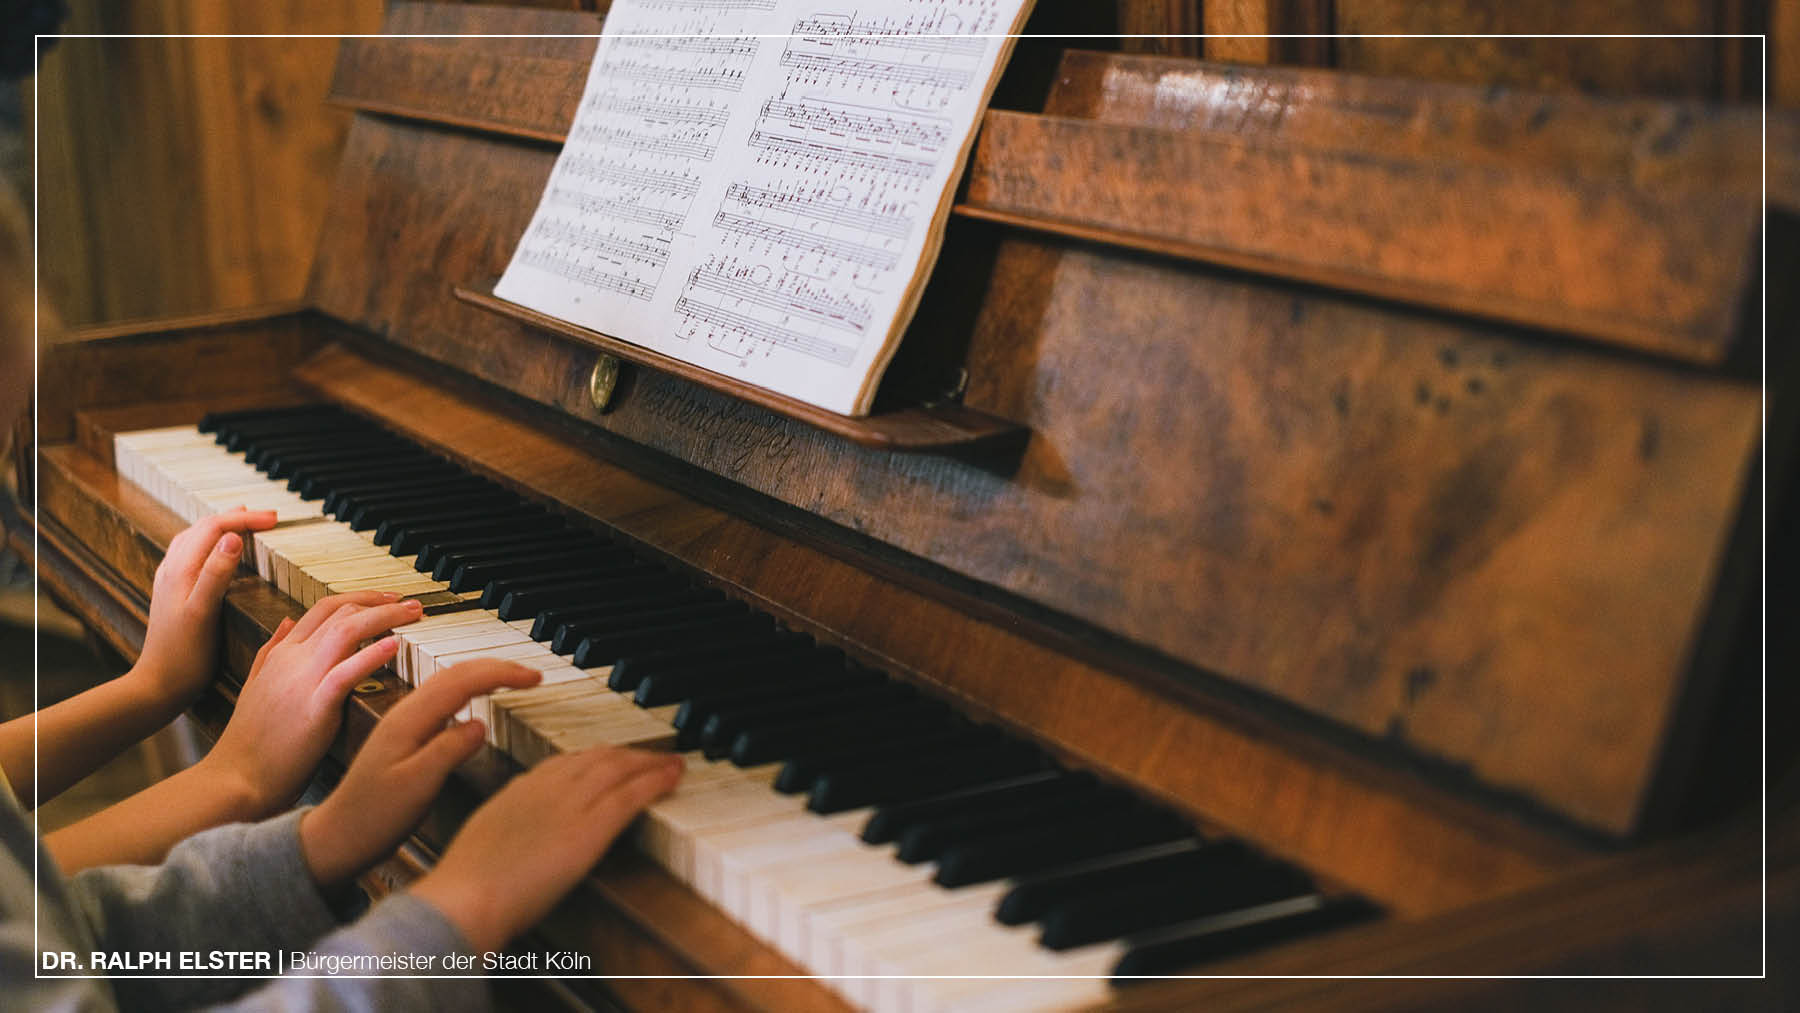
181 175
185 175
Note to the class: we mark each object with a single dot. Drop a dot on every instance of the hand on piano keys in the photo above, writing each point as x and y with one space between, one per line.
502 873
292 701
182 638
861 827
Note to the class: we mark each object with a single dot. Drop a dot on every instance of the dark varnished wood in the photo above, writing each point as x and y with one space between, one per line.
1097 718
1348 382
1382 830
1645 142
941 428
525 87
179 173
1661 271
1665 67
229 352
1585 244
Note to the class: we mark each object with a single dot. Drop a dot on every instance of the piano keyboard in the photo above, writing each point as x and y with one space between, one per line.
862 828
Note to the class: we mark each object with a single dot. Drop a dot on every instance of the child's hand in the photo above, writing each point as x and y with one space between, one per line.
400 769
292 700
183 636
504 872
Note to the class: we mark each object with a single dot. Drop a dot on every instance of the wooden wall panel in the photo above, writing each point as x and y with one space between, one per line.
1665 67
1231 24
1784 52
182 175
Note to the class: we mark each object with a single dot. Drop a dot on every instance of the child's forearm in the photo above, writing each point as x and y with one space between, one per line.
80 734
141 829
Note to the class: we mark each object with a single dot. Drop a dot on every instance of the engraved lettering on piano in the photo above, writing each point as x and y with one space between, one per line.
732 431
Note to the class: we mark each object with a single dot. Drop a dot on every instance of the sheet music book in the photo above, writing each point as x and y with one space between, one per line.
759 187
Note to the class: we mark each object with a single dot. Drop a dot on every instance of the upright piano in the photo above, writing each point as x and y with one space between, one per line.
1314 527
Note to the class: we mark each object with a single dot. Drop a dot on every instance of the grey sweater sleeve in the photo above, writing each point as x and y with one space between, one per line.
246 888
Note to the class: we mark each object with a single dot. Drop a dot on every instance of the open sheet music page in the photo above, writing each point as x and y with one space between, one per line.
759 187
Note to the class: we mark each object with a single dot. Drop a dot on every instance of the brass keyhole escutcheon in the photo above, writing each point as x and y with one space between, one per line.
602 381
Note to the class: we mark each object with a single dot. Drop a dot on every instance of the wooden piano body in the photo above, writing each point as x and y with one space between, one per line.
1368 468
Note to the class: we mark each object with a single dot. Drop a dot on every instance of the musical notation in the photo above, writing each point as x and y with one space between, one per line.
592 277
888 71
626 174
804 241
930 134
887 222
757 331
656 111
792 296
658 72
752 6
592 240
883 35
705 45
665 144
589 205
762 209
841 155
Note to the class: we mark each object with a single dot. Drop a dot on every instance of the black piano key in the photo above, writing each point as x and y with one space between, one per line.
621 614
803 665
519 598
412 540
321 445
317 483
800 773
1203 891
346 498
440 558
628 671
418 499
391 457
475 575
513 518
1028 851
240 438
766 686
389 525
839 704
597 651
926 839
918 777
570 581
295 415
1237 933
550 622
388 522
759 744
282 465
328 417
564 626
888 822
271 456
1032 896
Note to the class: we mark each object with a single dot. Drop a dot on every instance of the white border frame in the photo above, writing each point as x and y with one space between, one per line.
37 127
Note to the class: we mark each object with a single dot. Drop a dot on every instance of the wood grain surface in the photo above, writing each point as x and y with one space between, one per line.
181 175
1408 523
